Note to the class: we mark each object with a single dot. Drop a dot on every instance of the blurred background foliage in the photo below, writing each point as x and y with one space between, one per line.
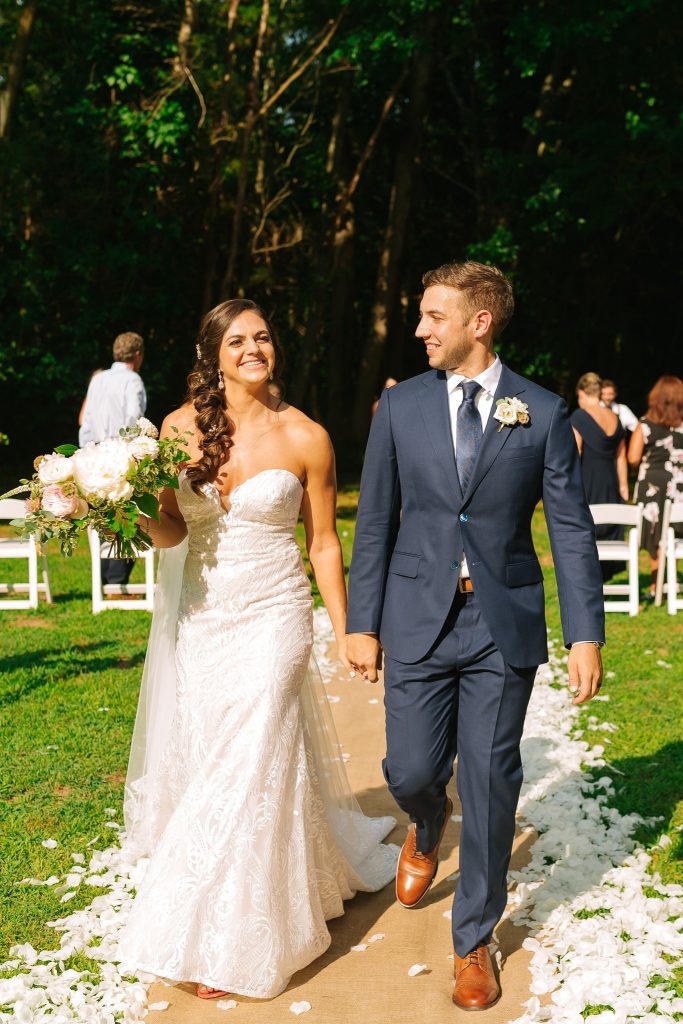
157 156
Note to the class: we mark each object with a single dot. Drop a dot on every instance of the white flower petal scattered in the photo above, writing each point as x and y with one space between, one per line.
333 700
583 861
360 948
301 1007
49 844
373 700
416 969
227 1004
377 937
456 817
163 1004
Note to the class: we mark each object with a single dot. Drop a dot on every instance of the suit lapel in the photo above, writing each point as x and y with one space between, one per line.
494 439
433 400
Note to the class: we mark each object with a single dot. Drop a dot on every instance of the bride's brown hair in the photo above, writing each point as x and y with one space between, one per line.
207 394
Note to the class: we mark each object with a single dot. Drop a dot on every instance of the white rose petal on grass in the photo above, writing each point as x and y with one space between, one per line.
664 841
163 1004
110 811
663 664
49 844
111 824
299 1008
416 969
226 1004
360 948
103 709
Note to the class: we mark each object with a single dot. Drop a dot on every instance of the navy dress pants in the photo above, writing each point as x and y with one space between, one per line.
463 699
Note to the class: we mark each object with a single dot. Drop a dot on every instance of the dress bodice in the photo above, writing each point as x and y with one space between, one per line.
245 549
270 498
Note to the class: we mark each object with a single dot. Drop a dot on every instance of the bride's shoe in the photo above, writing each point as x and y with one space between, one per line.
205 992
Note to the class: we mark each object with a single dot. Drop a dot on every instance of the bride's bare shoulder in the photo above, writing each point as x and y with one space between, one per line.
305 432
181 420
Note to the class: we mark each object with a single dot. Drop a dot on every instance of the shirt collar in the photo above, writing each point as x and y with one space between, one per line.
118 367
488 379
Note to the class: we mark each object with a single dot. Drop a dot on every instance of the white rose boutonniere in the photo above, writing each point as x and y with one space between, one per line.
510 411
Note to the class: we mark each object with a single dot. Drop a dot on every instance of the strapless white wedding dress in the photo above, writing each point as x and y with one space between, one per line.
244 812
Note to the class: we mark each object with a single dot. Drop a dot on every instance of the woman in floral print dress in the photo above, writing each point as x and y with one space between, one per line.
656 447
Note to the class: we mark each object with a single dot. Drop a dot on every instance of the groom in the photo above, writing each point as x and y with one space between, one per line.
445 580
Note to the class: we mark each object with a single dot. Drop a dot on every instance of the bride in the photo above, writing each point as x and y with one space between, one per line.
236 793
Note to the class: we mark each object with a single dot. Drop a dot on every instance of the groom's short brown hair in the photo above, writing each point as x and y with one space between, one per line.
483 287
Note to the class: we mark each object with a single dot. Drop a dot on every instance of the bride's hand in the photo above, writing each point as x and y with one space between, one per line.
341 652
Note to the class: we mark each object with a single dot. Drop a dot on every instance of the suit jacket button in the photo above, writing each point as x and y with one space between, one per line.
464 517
455 565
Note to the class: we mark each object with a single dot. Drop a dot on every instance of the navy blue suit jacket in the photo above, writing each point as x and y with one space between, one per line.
414 523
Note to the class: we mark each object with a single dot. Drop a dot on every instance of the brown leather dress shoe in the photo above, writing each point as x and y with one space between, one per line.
416 871
476 987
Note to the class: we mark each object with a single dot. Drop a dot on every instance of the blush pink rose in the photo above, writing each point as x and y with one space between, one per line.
64 506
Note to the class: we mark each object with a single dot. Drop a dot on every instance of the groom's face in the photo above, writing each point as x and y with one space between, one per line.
448 339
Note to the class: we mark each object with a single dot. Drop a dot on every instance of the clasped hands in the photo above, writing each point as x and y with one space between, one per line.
363 654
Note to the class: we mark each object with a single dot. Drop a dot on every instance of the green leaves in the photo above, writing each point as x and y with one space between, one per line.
148 505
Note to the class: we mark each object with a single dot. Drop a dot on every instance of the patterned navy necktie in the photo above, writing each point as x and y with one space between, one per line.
468 433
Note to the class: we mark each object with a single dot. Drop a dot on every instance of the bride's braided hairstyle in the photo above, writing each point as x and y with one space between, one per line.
206 392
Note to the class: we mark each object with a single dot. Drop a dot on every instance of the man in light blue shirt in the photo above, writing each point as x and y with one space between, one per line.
116 398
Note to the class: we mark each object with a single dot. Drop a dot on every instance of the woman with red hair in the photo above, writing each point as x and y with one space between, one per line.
657 448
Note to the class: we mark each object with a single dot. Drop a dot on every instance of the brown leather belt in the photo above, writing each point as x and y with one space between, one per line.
465 585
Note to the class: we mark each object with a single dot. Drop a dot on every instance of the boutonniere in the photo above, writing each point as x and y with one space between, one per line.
510 411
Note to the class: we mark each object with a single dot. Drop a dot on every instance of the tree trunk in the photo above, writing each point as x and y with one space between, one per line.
386 307
15 71
253 104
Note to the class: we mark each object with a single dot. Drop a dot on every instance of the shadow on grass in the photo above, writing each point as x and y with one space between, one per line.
651 786
42 667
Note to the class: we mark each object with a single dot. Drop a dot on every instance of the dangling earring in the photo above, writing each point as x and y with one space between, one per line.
221 380
271 377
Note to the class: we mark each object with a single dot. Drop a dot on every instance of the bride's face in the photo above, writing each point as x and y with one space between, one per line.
247 354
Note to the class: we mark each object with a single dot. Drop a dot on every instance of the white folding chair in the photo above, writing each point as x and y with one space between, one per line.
103 597
14 547
670 551
620 551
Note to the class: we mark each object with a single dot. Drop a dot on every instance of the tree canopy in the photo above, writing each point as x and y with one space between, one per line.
158 156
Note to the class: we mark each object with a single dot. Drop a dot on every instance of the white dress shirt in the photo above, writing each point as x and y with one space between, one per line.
483 402
115 399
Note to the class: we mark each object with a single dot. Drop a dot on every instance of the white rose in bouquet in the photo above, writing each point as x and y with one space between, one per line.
146 426
55 469
143 446
64 506
101 470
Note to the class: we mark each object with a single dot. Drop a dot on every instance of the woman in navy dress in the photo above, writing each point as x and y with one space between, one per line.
602 446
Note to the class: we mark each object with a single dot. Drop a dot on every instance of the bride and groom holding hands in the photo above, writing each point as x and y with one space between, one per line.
236 790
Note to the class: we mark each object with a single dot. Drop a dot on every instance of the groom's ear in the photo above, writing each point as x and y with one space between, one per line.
482 323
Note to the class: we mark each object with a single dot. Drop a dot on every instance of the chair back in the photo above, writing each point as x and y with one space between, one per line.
614 514
673 514
12 508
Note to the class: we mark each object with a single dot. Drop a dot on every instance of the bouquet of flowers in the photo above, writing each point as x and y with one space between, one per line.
105 485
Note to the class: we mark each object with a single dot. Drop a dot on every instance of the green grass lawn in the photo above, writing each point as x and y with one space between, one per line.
68 691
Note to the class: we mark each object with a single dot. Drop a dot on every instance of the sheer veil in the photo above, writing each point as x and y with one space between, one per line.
356 835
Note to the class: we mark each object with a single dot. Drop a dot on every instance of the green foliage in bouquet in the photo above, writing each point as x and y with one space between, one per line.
107 486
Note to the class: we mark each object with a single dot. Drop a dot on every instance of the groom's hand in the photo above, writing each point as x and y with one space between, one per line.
365 654
585 671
